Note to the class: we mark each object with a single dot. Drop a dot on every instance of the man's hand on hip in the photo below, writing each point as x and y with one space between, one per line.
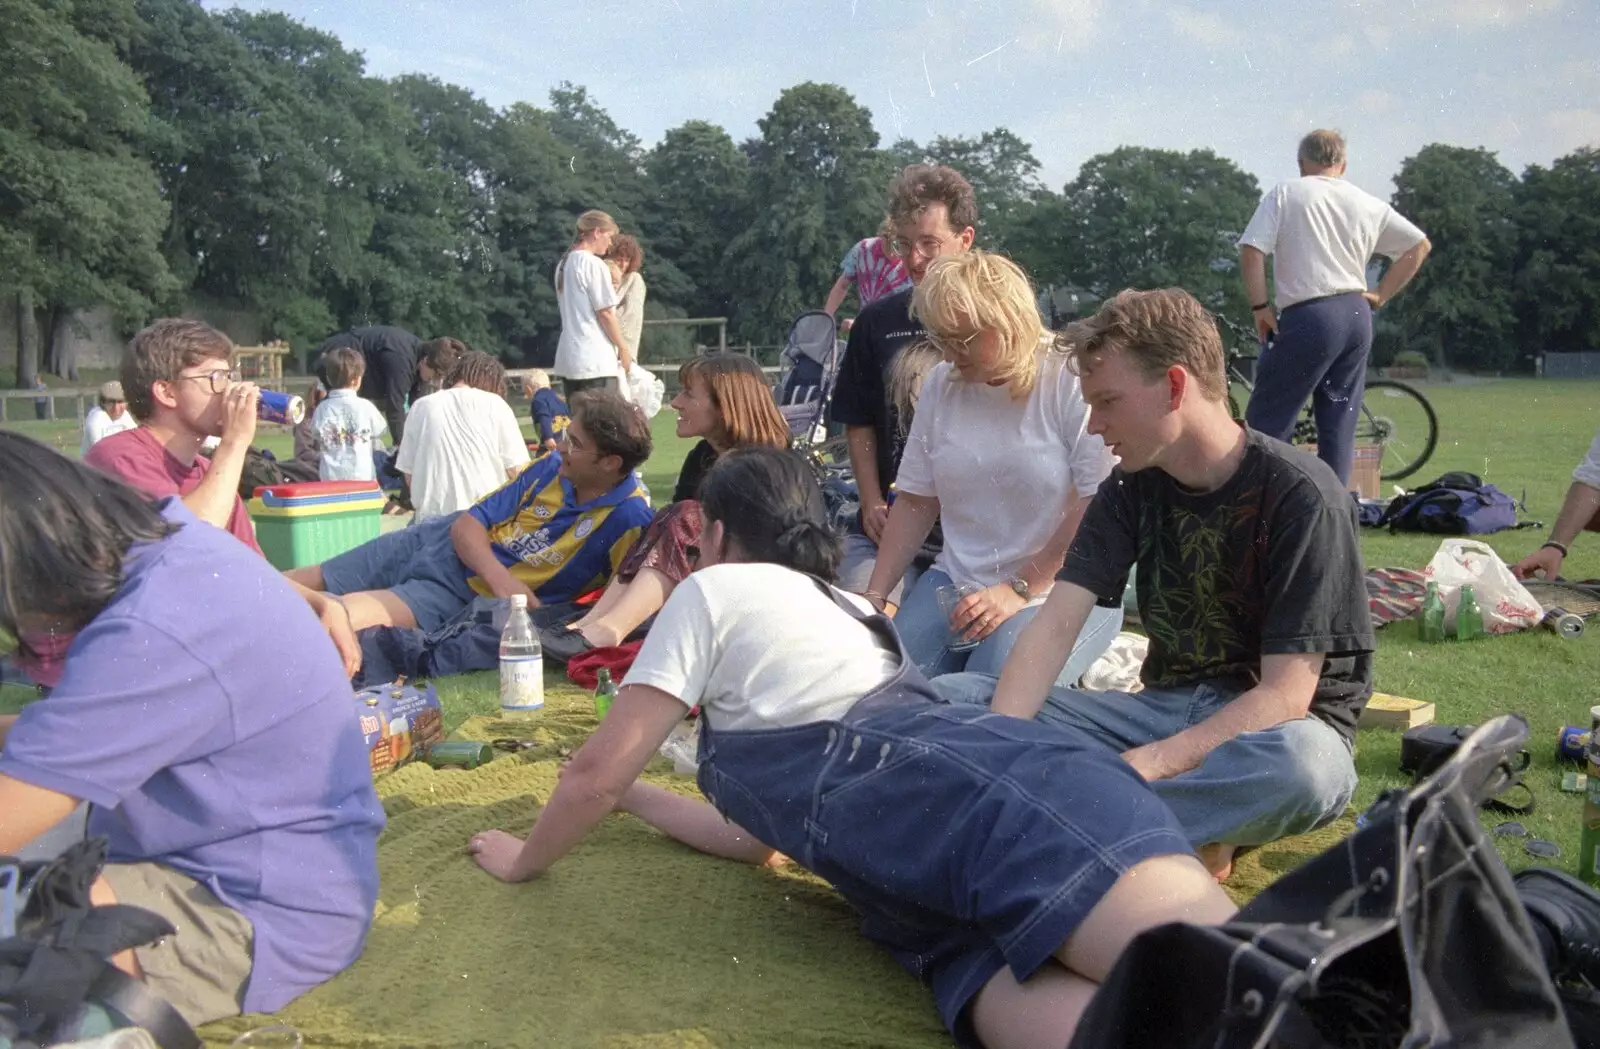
1266 323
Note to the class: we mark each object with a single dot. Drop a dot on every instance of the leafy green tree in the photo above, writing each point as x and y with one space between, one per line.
81 214
434 256
817 185
698 203
1154 218
1458 309
1558 253
261 152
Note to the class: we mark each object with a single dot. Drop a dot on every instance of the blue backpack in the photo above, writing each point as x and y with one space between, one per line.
1456 503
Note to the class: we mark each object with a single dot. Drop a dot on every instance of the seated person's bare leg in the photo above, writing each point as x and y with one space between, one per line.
606 602
377 608
1046 1008
309 577
1153 892
1038 1014
637 601
100 895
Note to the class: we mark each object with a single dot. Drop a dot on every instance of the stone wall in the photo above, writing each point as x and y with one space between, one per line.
98 339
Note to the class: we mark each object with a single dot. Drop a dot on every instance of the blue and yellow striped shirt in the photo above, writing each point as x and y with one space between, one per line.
550 542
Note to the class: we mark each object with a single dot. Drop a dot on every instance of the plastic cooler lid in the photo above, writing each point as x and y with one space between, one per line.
304 488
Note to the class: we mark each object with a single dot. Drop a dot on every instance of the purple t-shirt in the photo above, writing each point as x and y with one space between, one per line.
206 717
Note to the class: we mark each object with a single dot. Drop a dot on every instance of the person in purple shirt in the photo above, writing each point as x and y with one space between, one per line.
224 765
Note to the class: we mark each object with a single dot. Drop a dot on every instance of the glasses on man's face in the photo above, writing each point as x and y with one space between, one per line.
950 346
218 380
929 247
568 445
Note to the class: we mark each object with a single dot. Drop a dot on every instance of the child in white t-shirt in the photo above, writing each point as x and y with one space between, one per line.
348 426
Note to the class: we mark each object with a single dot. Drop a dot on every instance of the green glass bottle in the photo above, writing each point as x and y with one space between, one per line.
1589 836
1432 625
1469 617
604 694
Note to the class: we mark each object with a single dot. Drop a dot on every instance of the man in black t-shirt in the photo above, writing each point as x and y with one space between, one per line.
1250 586
933 213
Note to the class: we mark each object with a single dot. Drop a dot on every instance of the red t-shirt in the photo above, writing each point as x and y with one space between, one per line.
138 459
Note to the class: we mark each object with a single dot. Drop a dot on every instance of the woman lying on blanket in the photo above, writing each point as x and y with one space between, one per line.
725 402
1005 862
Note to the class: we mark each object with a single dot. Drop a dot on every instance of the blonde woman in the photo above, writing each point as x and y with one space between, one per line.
998 456
591 347
629 257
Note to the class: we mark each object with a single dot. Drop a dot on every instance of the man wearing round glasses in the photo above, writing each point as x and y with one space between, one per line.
180 383
933 213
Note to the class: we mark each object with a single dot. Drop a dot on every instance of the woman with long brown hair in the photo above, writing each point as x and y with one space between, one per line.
629 257
722 399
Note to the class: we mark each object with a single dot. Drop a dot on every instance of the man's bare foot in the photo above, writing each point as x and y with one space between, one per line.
1218 859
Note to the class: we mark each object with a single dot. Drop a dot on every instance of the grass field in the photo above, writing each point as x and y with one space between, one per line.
1523 435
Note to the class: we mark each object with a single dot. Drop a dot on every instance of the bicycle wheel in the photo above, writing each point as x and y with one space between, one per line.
1398 418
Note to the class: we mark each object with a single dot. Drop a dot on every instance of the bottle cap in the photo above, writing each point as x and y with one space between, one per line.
519 600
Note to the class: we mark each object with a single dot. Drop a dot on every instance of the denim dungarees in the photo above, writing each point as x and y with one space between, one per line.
968 841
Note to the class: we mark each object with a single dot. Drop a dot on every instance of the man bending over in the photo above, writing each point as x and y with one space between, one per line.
1250 584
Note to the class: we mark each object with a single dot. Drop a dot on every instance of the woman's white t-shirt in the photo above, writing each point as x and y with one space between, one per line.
583 290
760 646
1002 469
459 443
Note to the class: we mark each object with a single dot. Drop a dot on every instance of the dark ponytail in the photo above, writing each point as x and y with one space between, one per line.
770 504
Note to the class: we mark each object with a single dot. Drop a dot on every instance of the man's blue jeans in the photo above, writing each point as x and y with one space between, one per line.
1255 788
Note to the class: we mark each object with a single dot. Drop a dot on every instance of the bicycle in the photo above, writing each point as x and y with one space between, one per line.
1394 415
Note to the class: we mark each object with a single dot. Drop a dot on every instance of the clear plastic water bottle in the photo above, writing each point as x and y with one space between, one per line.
521 664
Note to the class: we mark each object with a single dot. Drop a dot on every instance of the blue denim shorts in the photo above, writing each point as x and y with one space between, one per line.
418 564
1007 832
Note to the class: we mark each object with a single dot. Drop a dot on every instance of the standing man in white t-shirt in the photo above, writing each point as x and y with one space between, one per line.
1321 232
592 348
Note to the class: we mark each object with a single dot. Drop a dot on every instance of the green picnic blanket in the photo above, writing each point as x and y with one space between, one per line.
631 942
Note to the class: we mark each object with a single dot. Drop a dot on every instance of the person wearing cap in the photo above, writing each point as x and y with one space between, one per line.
106 418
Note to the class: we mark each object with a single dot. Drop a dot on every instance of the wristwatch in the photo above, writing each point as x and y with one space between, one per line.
1020 585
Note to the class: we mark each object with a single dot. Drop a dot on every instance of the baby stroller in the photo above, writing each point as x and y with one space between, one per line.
809 366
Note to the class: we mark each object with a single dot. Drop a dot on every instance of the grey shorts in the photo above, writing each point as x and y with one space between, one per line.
202 972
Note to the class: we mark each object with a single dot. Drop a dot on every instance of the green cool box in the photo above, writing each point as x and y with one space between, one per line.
306 524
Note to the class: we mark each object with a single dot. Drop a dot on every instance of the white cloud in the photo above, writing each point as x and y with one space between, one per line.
1458 14
1058 26
1570 129
1206 28
1375 103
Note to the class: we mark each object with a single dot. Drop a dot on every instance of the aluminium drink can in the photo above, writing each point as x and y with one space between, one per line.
276 407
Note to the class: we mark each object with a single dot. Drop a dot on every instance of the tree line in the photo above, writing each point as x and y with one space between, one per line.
151 151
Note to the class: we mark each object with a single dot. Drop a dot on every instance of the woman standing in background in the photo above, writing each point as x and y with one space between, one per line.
626 252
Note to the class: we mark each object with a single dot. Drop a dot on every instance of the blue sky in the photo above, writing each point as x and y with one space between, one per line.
1073 77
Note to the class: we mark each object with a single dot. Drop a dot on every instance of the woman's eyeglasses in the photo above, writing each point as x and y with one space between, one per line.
951 346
